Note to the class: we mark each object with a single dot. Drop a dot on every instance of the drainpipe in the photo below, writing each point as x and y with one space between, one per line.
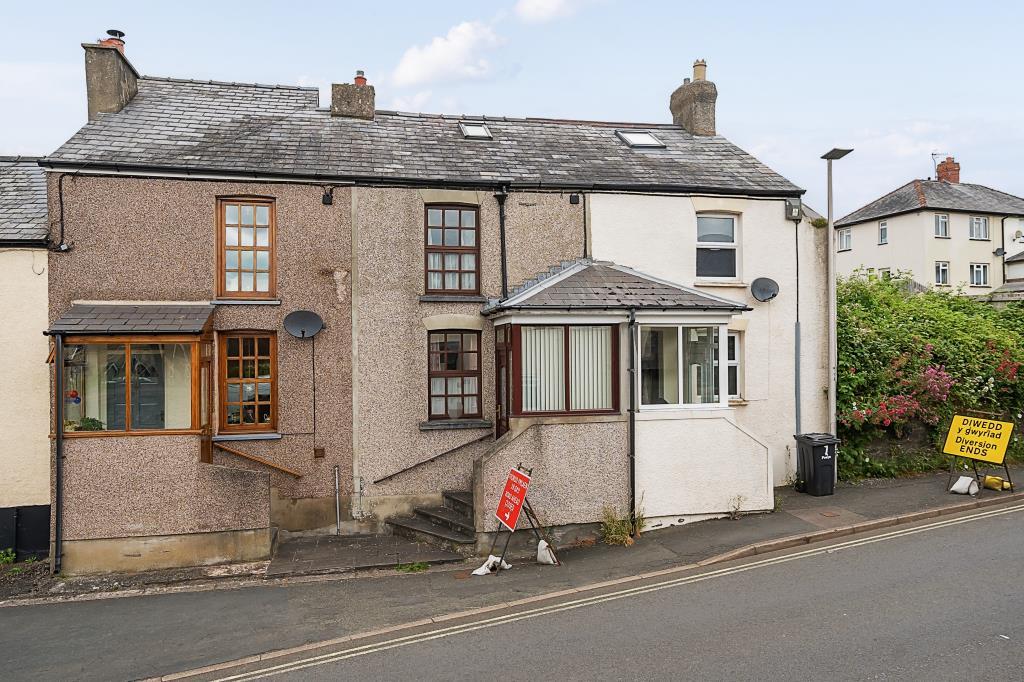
1002 243
632 417
796 328
58 440
501 196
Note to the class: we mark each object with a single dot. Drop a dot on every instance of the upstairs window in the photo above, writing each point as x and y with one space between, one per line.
942 225
716 246
979 274
246 248
845 239
979 227
452 250
883 233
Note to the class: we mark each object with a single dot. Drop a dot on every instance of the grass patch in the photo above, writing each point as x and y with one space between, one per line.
415 567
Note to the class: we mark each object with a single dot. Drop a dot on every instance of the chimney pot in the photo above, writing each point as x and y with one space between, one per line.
360 78
115 39
948 171
700 70
693 103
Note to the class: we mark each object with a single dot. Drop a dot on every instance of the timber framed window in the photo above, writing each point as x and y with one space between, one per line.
248 382
452 250
131 385
245 255
454 374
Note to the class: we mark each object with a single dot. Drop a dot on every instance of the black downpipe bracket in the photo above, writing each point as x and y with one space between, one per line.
632 418
501 196
58 440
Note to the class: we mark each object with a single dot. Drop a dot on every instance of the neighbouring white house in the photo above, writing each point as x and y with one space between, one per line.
24 376
946 233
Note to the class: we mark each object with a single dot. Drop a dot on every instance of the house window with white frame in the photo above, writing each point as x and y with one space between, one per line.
942 272
883 233
979 274
979 227
733 366
942 225
679 365
716 246
845 239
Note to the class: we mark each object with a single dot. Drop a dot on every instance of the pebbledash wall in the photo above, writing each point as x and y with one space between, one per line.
392 318
155 240
726 458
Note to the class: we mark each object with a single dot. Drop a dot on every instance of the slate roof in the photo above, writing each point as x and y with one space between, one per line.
937 194
1016 258
22 200
241 129
600 285
155 318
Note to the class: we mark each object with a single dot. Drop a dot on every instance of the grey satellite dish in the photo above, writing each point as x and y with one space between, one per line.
303 323
764 289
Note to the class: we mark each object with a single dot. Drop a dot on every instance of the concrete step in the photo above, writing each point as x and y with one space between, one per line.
447 517
419 529
459 500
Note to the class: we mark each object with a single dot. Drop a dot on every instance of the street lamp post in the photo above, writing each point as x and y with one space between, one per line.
833 354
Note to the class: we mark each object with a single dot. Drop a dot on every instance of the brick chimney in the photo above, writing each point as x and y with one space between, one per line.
693 103
355 100
948 171
110 79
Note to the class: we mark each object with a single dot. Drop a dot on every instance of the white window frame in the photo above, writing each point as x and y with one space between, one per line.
736 362
983 270
942 268
885 273
722 329
734 245
979 226
883 233
845 237
942 225
640 139
469 129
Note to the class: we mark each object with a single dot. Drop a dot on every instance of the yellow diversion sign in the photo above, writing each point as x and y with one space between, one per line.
978 438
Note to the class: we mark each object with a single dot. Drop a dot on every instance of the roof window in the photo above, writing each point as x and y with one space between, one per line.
475 130
639 138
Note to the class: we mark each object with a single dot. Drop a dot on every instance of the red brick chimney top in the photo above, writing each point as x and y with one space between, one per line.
948 171
360 78
115 39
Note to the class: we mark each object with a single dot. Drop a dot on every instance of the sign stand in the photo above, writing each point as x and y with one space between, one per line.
978 439
514 500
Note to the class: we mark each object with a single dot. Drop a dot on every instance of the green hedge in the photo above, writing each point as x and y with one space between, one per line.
912 360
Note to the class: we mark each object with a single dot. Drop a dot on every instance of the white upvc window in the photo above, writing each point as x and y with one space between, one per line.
942 272
682 365
979 274
979 227
883 233
717 252
885 273
846 239
942 225
734 367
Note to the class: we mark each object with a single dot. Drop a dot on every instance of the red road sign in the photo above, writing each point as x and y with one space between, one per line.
510 505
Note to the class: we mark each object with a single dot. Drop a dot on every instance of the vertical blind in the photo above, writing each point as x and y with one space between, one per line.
590 368
543 351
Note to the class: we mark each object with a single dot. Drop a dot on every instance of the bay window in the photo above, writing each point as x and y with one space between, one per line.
566 369
680 365
130 384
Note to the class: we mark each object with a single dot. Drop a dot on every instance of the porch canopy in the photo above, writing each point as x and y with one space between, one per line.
558 340
145 318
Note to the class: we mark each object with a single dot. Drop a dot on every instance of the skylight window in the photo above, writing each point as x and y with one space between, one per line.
474 130
639 138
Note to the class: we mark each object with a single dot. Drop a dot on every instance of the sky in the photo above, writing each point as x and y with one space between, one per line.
896 81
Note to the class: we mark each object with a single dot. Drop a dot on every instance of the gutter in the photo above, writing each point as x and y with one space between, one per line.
23 243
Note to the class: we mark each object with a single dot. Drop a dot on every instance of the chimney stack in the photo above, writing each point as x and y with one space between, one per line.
948 171
355 100
693 103
110 79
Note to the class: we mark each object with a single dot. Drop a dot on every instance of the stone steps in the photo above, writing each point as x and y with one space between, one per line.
450 526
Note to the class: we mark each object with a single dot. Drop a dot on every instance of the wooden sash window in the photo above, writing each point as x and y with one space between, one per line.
248 382
452 250
245 261
454 374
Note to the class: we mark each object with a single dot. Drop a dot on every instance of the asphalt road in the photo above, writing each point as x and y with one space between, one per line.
935 601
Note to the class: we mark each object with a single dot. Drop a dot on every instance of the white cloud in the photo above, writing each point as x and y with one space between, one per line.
412 103
459 55
540 11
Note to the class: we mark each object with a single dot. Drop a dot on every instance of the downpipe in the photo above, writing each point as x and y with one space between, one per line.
337 501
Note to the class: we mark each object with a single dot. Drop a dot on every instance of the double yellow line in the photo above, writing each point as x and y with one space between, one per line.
440 633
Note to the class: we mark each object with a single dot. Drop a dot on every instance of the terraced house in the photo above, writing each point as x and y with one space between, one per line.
569 295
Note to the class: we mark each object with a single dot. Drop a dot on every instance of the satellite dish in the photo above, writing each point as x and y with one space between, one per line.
303 323
764 289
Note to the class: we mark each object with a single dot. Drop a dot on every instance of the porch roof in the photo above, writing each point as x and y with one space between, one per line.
140 318
585 284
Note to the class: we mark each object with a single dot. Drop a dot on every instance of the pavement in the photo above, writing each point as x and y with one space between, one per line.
313 554
183 627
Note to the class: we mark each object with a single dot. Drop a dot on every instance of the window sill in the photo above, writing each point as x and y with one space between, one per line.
227 437
939 236
980 239
726 283
733 402
455 424
843 250
980 286
246 301
452 298
128 434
